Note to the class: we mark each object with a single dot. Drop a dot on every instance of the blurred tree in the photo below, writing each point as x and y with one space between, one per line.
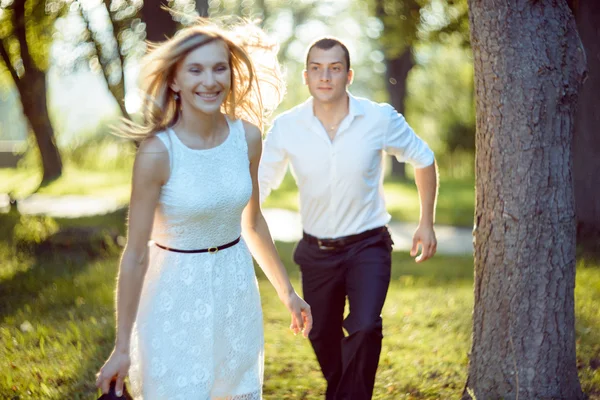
202 7
407 23
523 320
159 22
101 36
400 19
26 28
109 41
586 142
269 13
440 104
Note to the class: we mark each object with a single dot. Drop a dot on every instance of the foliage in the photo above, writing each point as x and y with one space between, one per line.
440 104
40 16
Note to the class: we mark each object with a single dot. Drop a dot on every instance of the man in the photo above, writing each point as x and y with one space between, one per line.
335 144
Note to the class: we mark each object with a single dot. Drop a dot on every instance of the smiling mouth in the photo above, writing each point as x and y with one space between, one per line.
208 96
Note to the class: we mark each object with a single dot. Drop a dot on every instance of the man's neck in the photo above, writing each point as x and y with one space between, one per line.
331 113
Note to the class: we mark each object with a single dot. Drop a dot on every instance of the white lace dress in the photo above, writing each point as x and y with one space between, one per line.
199 332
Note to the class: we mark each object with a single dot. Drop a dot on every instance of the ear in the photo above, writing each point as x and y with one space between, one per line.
350 77
305 77
174 86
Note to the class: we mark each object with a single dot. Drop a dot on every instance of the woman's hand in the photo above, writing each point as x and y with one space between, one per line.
301 314
116 367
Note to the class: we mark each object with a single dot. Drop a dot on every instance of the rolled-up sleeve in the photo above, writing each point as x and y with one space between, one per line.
403 143
273 163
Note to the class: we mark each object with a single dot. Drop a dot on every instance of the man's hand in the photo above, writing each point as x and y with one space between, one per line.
425 237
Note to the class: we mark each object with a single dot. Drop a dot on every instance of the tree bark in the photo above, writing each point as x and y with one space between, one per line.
397 70
586 142
33 98
159 23
202 8
529 65
31 85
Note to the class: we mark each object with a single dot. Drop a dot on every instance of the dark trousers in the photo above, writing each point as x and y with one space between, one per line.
361 272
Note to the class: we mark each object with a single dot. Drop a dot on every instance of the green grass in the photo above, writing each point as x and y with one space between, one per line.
455 201
57 326
455 206
22 182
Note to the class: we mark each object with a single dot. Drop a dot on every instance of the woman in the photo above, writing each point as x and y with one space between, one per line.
193 293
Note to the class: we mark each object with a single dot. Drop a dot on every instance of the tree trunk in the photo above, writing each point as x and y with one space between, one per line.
586 142
202 7
33 98
32 90
397 70
528 69
159 23
117 90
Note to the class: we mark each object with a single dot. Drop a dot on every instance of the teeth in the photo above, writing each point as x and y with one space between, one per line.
208 95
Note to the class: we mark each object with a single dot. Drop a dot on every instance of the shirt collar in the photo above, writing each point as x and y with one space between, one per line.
355 108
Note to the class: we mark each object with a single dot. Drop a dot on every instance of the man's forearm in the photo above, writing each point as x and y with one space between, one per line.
427 185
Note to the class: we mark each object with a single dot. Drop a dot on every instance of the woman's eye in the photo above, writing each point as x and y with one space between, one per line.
195 70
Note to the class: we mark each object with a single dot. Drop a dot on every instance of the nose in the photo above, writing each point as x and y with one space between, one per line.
209 80
325 75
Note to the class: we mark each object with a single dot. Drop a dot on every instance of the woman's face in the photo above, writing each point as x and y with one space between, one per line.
203 78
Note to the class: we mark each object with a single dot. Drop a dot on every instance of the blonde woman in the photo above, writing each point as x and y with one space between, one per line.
189 320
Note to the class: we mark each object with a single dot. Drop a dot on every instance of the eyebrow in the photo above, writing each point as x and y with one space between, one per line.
196 64
331 63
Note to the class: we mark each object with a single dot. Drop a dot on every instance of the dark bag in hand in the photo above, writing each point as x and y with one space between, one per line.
111 395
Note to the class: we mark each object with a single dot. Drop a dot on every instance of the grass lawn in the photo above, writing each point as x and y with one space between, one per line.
57 326
455 201
22 182
455 206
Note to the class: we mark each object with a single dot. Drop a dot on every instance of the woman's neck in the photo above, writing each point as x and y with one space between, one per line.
201 124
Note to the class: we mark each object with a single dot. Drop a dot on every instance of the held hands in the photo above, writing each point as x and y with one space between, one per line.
116 367
301 314
425 238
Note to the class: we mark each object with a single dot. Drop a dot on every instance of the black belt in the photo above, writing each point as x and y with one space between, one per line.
211 250
338 243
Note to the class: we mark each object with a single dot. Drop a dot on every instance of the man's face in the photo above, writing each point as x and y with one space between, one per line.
327 74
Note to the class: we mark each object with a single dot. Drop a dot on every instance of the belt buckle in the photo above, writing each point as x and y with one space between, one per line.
213 250
322 246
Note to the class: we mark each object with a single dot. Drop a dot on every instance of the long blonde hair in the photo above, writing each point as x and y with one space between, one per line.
257 86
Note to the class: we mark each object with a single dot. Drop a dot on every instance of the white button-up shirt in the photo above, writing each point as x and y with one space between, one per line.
340 181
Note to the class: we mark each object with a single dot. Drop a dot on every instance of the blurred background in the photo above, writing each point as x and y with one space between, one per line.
68 71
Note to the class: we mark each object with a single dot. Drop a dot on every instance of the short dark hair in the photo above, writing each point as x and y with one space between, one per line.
327 43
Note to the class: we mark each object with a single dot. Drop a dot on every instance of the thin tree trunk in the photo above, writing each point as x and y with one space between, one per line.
33 98
31 85
116 89
159 23
202 8
397 70
528 69
586 142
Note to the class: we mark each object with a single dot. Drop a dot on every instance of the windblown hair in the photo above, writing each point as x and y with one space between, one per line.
257 86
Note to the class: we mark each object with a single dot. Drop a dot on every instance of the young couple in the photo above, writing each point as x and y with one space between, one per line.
189 319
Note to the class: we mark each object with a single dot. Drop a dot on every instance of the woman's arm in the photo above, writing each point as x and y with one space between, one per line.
257 236
150 172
